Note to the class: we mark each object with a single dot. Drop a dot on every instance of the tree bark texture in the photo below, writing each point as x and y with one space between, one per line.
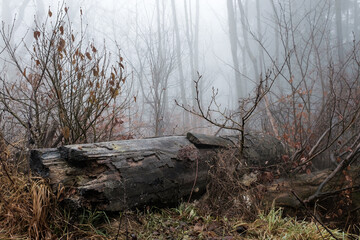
338 193
125 174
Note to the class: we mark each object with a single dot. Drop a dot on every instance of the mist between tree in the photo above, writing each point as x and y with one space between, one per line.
298 52
89 72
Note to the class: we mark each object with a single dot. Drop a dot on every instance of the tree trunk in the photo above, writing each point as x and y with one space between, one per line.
233 36
245 30
180 65
196 46
339 32
356 20
125 174
259 35
279 192
192 37
277 30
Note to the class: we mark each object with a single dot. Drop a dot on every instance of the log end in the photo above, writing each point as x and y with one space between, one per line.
207 140
39 158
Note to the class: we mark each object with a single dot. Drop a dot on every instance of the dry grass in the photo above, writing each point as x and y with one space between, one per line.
227 195
29 210
25 204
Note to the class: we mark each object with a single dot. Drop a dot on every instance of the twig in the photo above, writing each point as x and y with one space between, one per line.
196 176
6 171
330 193
126 228
313 215
343 164
6 202
118 231
120 218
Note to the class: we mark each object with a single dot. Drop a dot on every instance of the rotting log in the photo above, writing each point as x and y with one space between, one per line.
125 174
279 192
260 150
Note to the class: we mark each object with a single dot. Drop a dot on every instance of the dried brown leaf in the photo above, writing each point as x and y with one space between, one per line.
61 44
88 55
66 132
36 35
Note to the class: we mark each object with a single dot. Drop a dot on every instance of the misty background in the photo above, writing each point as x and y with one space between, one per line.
232 44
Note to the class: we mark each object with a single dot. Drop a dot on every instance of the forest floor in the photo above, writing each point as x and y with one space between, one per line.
186 222
29 210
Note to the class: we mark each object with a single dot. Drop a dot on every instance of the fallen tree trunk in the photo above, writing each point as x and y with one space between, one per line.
132 173
279 192
338 203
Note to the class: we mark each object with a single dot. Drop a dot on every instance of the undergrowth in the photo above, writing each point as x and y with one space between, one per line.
30 210
185 222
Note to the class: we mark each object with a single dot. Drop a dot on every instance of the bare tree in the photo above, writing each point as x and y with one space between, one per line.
66 93
192 37
155 64
318 112
237 120
316 108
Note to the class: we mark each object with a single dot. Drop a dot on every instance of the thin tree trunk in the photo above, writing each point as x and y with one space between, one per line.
179 62
276 32
259 33
190 40
196 43
158 20
158 77
271 117
356 19
339 31
233 36
246 38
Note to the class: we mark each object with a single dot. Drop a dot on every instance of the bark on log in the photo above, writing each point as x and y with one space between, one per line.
304 185
120 175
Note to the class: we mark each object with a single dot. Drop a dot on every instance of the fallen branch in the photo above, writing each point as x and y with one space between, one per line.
313 215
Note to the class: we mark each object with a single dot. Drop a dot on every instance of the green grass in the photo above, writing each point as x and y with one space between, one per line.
274 226
185 222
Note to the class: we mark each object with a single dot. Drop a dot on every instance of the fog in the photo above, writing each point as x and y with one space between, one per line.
124 104
231 44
